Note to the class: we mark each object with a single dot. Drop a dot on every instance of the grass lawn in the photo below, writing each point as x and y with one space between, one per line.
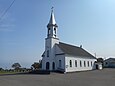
8 72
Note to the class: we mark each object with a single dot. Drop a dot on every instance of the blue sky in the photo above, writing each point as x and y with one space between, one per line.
90 23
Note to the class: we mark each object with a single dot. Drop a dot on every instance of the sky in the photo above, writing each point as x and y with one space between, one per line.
90 23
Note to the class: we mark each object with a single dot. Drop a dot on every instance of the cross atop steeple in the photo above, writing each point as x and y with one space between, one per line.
52 8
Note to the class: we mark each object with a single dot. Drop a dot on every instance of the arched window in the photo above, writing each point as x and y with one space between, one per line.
84 64
47 53
91 63
55 30
48 31
70 63
75 63
80 64
88 63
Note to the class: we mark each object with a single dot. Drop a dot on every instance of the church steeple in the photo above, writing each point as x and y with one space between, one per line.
52 26
52 18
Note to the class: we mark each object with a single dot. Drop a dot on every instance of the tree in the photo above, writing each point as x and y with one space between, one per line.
16 66
1 69
100 60
40 63
36 65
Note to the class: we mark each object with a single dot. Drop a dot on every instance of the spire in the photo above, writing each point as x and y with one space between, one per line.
52 26
52 18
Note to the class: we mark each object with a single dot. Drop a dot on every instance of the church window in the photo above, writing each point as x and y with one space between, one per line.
48 31
59 63
91 63
84 64
47 53
80 64
75 63
88 63
70 63
55 30
106 63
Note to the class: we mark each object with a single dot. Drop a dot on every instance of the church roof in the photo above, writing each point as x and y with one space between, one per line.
74 50
110 59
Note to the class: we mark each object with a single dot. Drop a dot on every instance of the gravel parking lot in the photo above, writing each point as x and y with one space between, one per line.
105 77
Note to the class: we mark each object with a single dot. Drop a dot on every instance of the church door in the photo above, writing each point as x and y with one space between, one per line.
53 66
47 66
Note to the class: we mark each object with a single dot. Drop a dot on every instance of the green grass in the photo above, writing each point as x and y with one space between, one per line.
8 72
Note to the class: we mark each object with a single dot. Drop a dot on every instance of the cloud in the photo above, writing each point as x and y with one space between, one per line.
7 24
7 27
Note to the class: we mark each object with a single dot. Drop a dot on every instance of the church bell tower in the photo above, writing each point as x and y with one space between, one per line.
52 26
49 56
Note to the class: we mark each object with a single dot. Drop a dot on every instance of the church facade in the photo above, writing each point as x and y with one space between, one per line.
64 57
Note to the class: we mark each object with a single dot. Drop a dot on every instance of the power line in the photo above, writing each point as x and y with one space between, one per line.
7 10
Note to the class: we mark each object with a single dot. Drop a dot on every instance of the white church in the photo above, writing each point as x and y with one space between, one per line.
64 57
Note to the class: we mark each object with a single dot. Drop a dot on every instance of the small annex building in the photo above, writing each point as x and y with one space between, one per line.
59 56
109 63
